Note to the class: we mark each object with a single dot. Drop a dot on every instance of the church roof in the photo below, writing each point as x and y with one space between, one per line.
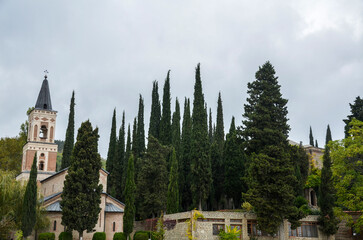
54 207
43 101
112 208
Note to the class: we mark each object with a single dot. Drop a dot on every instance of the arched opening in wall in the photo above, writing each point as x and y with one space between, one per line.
55 226
43 132
35 132
114 226
41 166
312 198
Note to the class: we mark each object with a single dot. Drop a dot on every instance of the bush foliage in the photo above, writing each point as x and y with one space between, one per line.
46 236
99 236
65 236
119 236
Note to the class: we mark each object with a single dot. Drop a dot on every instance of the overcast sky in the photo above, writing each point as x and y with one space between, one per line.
109 52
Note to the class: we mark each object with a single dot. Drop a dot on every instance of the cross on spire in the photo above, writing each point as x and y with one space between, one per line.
46 72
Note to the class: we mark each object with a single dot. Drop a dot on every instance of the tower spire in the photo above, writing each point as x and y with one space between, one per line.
43 101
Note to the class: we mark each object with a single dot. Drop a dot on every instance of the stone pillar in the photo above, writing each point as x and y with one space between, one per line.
245 229
284 230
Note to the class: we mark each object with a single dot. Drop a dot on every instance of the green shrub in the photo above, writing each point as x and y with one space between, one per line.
119 236
46 236
65 236
141 235
99 236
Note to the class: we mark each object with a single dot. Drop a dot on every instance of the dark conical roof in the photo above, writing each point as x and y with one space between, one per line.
43 101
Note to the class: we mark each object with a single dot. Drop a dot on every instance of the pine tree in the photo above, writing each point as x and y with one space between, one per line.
30 201
210 128
82 190
271 174
311 138
176 129
140 135
265 110
185 159
328 137
165 123
155 115
69 141
152 194
326 201
119 163
356 110
111 151
130 189
234 166
200 166
173 190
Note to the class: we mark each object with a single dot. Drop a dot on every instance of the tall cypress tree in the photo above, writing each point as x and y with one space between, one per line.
328 137
69 141
311 138
210 128
111 151
165 123
356 110
185 159
81 188
119 163
176 129
30 201
200 166
327 219
154 125
134 144
316 143
130 189
127 156
271 174
234 166
173 189
140 136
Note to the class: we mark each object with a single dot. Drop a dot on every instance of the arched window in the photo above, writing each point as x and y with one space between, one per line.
43 132
41 166
114 226
55 226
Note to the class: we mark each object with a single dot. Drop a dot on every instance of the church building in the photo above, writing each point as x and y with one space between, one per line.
41 132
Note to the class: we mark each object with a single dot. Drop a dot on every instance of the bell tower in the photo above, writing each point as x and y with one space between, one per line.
41 132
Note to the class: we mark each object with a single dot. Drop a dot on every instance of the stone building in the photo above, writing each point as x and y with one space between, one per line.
41 132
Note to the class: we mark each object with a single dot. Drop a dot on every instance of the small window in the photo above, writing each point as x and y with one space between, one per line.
55 226
217 228
114 227
41 166
307 229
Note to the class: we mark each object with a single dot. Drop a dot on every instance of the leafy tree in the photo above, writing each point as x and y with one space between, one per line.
185 159
154 125
30 201
111 151
173 190
69 141
265 112
347 156
356 110
200 166
328 137
81 195
152 194
234 166
327 220
11 152
311 138
130 189
11 202
176 129
165 123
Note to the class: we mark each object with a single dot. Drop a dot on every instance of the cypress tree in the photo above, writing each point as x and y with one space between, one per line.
140 135
130 189
311 138
111 151
154 125
30 201
200 166
127 156
176 129
265 112
328 137
271 174
219 136
165 123
356 110
134 144
185 159
81 188
173 190
119 163
69 141
316 143
234 166
300 161
326 201
152 194
210 128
